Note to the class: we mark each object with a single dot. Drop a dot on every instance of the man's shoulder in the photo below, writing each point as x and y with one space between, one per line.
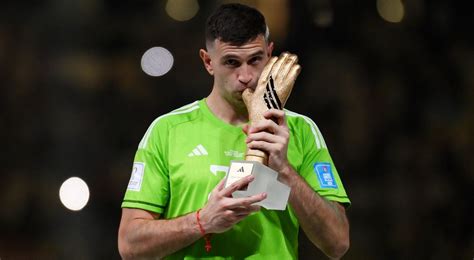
177 116
296 118
304 126
163 123
300 123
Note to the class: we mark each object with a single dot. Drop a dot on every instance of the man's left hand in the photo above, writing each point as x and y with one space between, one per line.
271 135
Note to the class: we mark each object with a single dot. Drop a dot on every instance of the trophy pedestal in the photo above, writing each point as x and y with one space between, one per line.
266 180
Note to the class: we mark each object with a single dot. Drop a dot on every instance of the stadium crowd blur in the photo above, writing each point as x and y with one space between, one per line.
394 100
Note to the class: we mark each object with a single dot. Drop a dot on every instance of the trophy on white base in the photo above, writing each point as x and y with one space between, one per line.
272 91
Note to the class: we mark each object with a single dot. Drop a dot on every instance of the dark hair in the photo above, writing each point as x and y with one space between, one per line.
236 24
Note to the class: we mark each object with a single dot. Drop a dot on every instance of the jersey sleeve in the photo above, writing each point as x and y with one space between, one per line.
148 188
317 166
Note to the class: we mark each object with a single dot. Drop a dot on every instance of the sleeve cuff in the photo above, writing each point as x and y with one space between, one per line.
143 205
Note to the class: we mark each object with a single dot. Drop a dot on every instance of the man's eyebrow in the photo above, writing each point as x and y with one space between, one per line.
258 53
232 56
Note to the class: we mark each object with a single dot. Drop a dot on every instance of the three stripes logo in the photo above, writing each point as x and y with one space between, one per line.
241 169
198 151
271 98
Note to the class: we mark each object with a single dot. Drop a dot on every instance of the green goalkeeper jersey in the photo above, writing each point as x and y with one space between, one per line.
185 153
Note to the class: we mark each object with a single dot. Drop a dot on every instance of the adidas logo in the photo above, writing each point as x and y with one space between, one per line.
198 151
241 169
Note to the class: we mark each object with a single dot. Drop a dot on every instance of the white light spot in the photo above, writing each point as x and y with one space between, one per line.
157 61
74 193
391 10
182 10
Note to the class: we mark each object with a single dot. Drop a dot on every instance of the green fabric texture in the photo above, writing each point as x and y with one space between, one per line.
184 155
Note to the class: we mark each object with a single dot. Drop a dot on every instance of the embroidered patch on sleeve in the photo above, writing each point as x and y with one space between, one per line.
325 176
135 183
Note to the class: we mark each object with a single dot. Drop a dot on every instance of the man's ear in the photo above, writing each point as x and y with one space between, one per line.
270 49
206 60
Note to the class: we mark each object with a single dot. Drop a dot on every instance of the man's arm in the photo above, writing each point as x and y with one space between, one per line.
324 222
143 235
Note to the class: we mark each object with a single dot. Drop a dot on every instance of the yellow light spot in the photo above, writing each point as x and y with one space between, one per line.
182 10
391 10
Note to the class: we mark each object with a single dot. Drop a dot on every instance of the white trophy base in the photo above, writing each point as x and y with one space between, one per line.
266 180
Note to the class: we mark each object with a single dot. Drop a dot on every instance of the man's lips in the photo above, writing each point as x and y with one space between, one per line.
243 88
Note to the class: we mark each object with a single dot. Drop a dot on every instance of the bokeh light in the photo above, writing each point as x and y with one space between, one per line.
324 18
182 10
157 61
74 193
391 10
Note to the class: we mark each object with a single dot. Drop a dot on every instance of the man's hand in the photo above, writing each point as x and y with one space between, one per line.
222 211
324 222
273 89
271 135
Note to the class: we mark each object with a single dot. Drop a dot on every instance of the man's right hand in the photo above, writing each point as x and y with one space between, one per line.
222 211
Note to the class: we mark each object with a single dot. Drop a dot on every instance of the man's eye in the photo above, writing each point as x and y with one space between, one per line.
255 60
233 63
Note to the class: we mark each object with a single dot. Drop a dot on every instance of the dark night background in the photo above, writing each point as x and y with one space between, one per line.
394 102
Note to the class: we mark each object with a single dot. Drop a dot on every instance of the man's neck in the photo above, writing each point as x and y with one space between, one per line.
232 113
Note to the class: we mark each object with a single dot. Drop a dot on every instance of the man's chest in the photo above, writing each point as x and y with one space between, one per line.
203 156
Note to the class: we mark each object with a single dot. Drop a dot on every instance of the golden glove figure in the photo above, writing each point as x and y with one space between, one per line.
272 91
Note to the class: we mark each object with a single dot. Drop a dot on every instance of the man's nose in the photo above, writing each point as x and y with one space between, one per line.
245 74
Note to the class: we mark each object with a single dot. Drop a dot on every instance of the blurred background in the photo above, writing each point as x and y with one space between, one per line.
390 83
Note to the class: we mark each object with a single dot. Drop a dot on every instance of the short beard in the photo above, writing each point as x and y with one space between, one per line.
238 104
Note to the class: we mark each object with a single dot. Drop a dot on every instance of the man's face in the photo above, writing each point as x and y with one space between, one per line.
236 68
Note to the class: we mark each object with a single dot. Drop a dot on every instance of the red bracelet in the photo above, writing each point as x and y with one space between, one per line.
203 232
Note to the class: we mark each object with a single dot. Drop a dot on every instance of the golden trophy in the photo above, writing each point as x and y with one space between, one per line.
272 91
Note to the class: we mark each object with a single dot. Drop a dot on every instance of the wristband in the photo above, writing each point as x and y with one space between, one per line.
207 237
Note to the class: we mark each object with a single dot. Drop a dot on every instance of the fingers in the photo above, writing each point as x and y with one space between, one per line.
267 147
220 186
269 125
264 76
270 136
292 75
227 192
223 211
245 211
248 201
278 65
286 62
245 205
235 215
264 137
279 115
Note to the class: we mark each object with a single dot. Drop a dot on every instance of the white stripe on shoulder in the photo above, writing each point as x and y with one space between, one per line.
318 137
185 106
183 110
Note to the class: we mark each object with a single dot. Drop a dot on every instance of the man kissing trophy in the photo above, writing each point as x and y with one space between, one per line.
272 92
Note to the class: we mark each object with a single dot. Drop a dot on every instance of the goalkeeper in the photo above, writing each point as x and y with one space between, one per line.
176 206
